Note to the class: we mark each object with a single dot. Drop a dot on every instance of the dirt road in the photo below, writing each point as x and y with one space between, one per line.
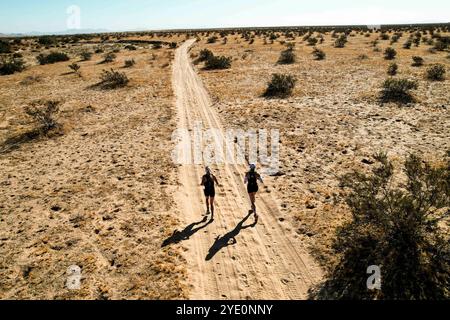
232 257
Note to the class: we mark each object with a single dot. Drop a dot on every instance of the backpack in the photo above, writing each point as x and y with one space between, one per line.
209 182
252 178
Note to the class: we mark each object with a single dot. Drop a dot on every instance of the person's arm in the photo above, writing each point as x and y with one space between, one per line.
203 181
217 182
260 178
246 178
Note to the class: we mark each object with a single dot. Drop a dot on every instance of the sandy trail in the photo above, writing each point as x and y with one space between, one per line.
232 257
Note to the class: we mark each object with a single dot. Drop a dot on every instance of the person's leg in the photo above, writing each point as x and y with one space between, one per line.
207 205
252 200
212 206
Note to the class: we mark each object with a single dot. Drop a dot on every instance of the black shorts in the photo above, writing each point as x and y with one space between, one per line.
252 188
210 193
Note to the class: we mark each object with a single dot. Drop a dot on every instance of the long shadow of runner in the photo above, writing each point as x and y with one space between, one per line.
188 232
230 238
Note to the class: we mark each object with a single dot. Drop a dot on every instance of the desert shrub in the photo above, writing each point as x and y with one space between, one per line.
287 57
43 113
384 36
436 72
417 61
75 67
392 69
157 45
318 54
220 62
281 85
109 57
46 41
407 44
312 41
113 79
397 90
442 44
395 38
52 57
129 63
5 47
86 55
204 55
10 65
131 47
212 39
340 42
173 45
99 50
396 227
390 53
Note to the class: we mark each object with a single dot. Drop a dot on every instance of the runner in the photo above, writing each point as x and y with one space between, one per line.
251 179
208 181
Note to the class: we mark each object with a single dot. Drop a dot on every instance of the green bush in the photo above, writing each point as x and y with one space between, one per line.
395 226
390 54
220 62
280 86
436 72
392 69
113 79
212 39
398 90
52 57
11 65
407 44
312 41
287 57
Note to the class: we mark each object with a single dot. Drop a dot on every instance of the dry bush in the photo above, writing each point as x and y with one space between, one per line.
390 54
52 57
129 63
75 67
86 55
280 86
318 54
287 56
417 61
10 65
436 72
397 90
219 62
396 227
43 113
113 79
392 69
109 57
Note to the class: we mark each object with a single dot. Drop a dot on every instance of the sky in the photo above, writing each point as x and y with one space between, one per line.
22 16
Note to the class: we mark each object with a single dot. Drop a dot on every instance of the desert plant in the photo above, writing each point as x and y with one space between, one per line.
287 57
129 63
5 47
204 55
281 86
9 65
392 69
75 67
312 41
109 57
417 61
157 45
436 72
390 53
173 45
219 62
318 54
395 226
86 55
131 47
340 42
113 79
43 113
212 39
397 90
407 44
52 57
